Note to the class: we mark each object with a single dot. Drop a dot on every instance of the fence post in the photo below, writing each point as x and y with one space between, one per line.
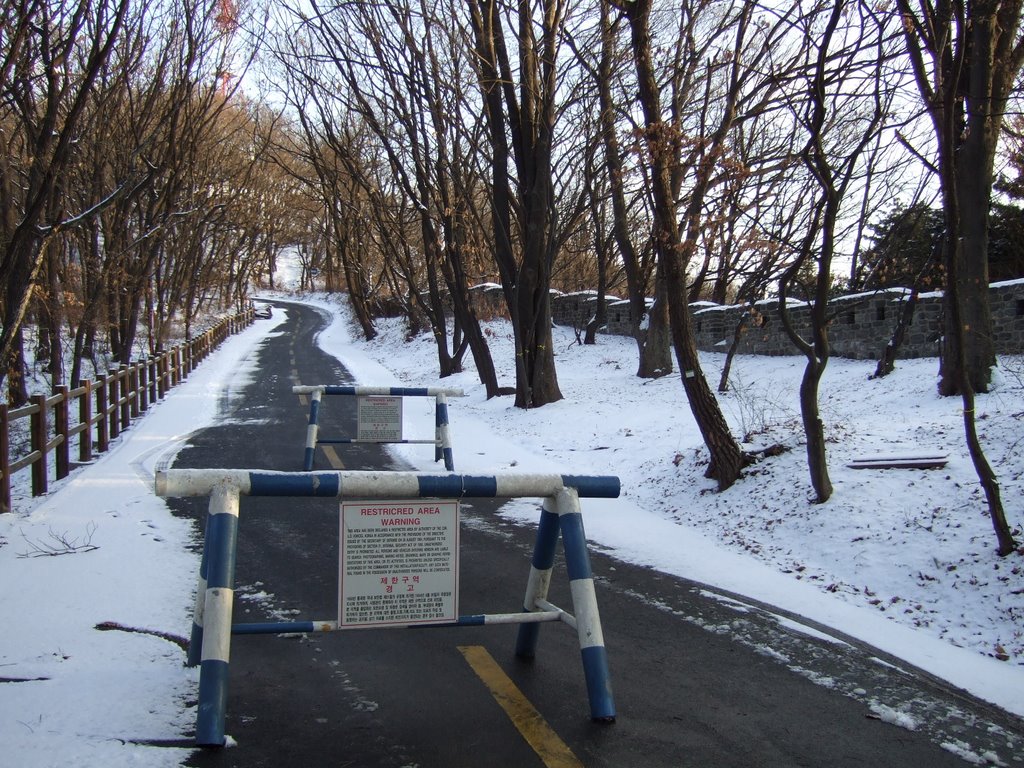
85 419
5 460
153 369
161 374
37 428
102 425
143 380
133 387
112 393
124 399
61 422
175 367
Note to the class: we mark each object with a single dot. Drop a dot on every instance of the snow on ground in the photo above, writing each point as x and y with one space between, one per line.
71 695
902 559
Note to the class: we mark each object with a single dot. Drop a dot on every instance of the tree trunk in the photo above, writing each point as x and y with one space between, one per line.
55 318
814 429
602 248
972 347
356 296
465 315
727 460
887 360
652 333
737 335
17 388
526 280
536 381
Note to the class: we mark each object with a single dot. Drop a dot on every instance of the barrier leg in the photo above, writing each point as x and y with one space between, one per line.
584 600
443 435
313 428
213 671
195 643
540 578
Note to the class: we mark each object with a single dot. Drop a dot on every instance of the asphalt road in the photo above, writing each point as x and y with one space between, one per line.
700 678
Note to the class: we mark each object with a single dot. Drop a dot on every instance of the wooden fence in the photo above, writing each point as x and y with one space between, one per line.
105 408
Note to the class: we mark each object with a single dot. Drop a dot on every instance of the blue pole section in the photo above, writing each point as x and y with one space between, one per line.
584 599
438 452
540 578
213 670
195 643
312 429
443 434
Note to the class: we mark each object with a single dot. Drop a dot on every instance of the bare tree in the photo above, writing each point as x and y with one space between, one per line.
519 105
51 57
966 58
841 107
649 324
686 146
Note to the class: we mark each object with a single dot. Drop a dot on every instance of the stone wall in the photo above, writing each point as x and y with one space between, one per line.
862 324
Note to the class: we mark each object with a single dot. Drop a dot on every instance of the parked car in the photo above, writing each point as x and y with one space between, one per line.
263 310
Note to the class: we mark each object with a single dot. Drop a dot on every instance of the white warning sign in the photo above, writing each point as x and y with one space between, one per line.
399 563
379 419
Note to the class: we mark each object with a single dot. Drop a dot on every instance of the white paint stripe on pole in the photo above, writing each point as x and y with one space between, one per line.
537 586
527 484
217 631
588 620
182 483
370 484
521 618
300 389
311 431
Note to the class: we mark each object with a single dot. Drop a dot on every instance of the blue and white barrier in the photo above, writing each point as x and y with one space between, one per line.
442 435
561 515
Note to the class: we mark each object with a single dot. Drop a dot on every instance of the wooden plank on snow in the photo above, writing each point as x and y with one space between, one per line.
912 461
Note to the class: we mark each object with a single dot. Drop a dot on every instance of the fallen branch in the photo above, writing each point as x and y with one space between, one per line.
107 626
60 544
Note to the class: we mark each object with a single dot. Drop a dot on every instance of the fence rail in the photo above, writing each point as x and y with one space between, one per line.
105 409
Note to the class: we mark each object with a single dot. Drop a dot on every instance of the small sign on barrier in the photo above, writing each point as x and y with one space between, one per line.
379 419
399 563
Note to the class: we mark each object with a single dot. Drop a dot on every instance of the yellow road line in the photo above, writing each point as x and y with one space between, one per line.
333 457
538 734
303 400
